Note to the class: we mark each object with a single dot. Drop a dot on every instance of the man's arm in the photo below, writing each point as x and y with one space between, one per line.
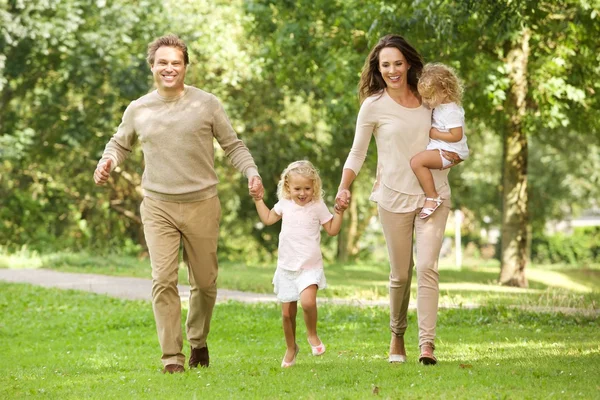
234 148
117 149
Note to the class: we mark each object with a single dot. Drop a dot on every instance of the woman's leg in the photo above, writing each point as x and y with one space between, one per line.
288 314
421 165
429 238
308 299
398 232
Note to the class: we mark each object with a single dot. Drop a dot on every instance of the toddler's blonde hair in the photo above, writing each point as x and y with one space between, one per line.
304 168
439 80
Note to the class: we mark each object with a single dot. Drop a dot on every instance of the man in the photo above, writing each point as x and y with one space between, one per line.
175 126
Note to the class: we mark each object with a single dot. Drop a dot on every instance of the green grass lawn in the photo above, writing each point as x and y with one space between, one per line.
72 345
550 286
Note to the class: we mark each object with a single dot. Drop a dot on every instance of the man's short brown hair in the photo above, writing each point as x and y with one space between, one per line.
169 40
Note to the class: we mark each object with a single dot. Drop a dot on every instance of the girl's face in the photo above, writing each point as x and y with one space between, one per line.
301 189
431 101
393 67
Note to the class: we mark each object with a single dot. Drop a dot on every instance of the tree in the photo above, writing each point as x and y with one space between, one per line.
543 57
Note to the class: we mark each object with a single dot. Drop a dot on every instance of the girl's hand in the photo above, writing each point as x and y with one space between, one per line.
342 199
255 187
452 157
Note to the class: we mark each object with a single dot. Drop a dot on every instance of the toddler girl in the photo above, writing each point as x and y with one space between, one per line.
300 265
440 90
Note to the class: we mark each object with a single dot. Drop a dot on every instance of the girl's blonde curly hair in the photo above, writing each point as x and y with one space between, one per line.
438 80
304 168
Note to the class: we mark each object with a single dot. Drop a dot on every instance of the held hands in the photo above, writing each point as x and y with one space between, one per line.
102 173
255 188
342 200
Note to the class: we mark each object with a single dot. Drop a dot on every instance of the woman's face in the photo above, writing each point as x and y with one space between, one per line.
393 67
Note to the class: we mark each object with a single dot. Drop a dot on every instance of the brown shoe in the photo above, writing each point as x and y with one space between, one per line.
427 357
173 368
199 356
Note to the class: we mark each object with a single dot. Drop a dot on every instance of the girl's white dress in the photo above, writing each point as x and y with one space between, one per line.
446 116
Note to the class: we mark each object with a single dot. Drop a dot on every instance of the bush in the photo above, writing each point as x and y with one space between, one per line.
582 247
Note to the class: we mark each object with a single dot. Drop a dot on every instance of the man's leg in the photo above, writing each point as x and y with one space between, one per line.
200 238
163 239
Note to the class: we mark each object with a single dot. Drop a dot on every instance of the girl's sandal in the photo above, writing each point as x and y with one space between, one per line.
427 357
426 212
285 364
318 349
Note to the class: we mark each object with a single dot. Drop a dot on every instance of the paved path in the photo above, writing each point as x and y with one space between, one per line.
135 288
141 289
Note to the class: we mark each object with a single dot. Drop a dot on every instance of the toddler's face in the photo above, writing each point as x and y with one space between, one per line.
301 189
431 102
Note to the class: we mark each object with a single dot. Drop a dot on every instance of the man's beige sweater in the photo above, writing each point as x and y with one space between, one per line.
176 136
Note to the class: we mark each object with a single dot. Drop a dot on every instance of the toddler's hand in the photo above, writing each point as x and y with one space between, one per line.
255 188
342 199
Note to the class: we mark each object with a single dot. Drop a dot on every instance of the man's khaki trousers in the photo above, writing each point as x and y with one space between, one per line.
429 233
166 226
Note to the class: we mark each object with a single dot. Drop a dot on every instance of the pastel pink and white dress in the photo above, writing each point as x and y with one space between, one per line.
300 261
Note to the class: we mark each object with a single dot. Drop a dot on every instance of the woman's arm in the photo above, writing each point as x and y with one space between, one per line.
342 199
267 216
333 226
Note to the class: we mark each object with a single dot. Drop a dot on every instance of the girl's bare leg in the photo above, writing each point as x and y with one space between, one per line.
308 298
421 165
288 314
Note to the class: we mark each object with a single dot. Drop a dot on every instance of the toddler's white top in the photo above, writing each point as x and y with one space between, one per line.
445 117
300 237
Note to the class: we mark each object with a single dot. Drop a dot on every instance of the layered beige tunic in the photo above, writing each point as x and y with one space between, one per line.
400 133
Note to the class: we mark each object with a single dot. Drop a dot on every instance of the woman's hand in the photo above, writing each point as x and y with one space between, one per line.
342 199
452 157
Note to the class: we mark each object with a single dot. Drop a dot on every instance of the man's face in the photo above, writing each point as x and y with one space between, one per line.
168 70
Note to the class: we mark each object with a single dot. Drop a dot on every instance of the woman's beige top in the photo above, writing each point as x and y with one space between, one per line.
400 133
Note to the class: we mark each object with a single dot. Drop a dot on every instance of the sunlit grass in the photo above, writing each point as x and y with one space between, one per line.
474 284
73 345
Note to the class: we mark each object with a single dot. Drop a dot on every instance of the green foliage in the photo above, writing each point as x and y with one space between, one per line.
287 74
72 71
580 248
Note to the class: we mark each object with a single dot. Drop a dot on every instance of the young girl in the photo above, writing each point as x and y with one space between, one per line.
300 265
440 90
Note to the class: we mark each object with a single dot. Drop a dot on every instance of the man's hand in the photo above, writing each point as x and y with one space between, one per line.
102 173
255 187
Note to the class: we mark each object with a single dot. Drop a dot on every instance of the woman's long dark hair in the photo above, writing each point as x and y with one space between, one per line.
372 82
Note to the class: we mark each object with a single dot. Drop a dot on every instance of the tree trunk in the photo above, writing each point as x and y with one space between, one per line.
515 243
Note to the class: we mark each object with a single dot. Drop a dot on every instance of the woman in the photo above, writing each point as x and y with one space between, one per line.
392 111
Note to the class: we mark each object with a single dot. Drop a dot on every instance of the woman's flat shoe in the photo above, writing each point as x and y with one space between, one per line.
427 357
318 349
285 364
397 358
